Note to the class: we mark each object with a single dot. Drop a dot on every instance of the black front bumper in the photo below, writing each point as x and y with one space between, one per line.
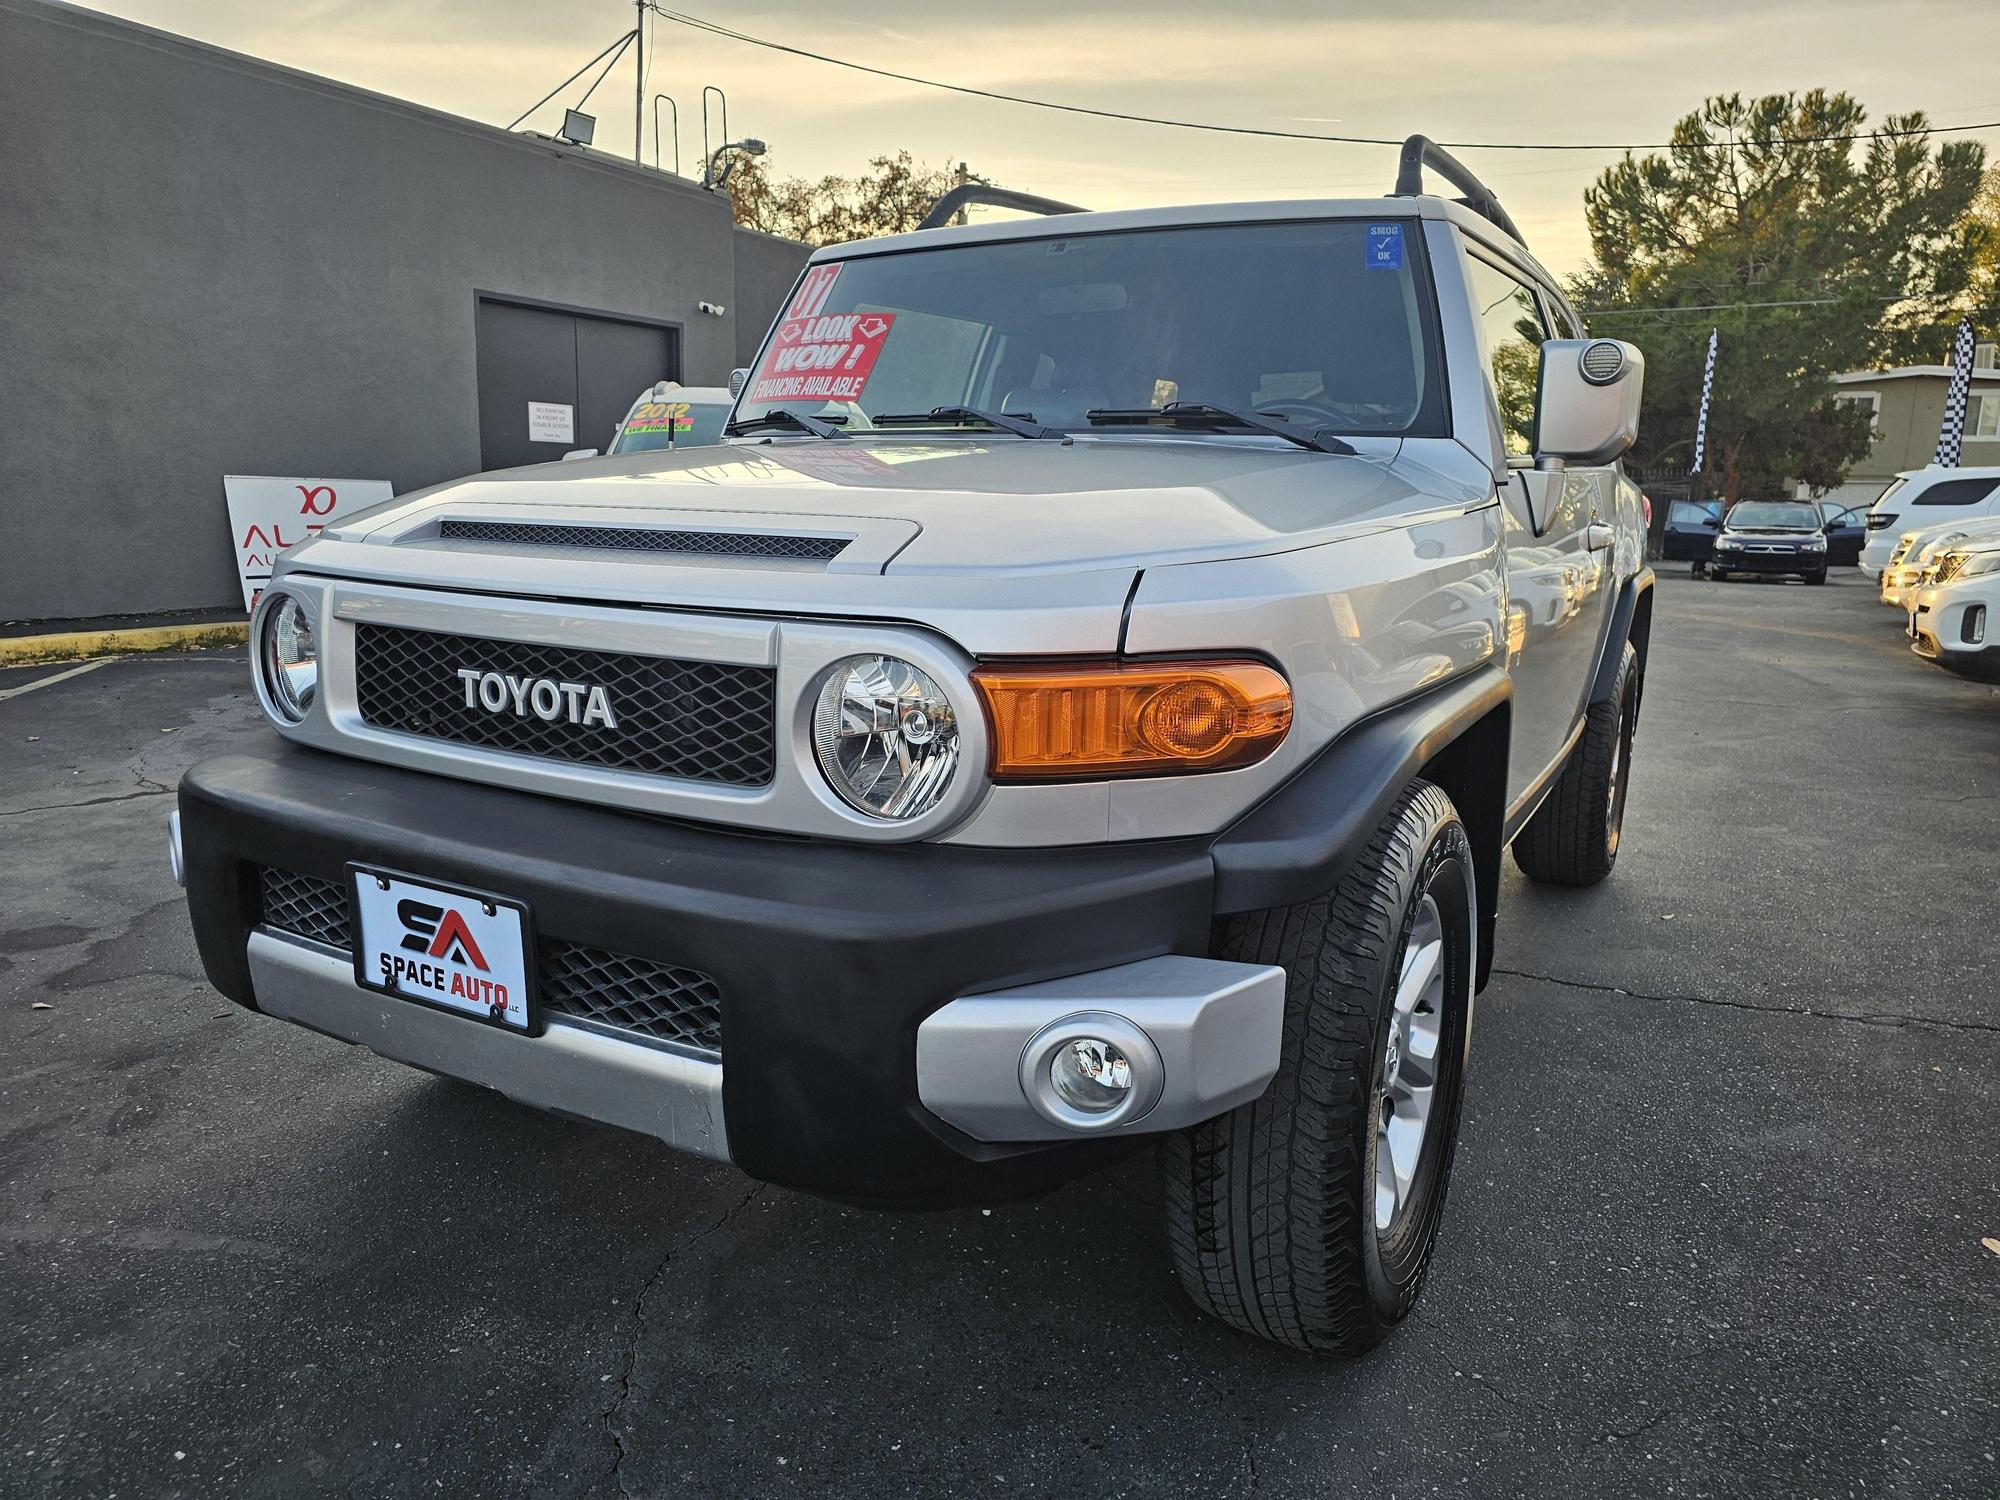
1783 563
827 955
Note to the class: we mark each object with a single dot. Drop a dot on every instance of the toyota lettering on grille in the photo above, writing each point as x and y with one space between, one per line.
547 699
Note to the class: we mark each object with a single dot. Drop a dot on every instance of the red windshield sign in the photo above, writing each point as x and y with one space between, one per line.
817 356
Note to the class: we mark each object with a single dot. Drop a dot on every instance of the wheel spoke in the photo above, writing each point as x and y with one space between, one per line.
1422 966
1404 1136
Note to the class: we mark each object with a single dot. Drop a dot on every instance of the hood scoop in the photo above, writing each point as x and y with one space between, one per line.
791 546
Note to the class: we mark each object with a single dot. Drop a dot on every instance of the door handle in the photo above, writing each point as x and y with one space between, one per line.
1598 537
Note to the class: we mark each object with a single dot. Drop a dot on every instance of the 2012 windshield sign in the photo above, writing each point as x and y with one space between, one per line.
819 356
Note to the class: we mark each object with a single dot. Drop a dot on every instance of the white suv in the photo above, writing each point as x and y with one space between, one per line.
1950 613
1919 498
1913 562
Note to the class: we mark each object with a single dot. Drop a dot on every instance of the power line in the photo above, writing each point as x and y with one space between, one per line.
699 24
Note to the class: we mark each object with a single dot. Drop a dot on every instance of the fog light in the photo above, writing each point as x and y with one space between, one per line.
1091 1074
1092 1071
1972 630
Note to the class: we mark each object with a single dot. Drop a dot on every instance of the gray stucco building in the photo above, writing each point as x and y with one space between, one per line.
211 265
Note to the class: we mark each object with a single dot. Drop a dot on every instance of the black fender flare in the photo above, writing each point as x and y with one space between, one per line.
1298 842
1633 604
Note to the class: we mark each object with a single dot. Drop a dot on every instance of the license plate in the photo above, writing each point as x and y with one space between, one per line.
445 946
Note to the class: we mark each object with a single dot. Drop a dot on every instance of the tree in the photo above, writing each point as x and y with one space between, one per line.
891 197
1984 224
1812 256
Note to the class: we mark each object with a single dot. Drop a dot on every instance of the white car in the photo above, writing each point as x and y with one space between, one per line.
672 415
1949 614
1917 553
1921 498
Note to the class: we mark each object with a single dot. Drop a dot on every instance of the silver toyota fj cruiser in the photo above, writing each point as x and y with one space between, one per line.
1081 708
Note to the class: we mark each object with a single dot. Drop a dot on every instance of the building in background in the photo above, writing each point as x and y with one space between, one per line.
1908 405
211 265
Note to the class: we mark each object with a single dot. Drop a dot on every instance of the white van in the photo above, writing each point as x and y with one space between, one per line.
1921 498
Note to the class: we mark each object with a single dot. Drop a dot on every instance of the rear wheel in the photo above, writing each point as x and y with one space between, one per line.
1308 1216
1573 839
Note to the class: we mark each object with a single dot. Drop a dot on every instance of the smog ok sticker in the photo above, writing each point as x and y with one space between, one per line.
1385 247
816 355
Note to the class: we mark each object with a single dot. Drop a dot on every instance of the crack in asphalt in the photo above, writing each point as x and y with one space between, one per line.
1625 1435
1883 1018
157 791
617 1407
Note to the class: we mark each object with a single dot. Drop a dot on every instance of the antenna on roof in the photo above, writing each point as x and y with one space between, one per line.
1420 151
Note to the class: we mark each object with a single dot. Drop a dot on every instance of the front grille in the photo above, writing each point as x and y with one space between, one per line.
648 539
633 994
702 721
663 1001
305 907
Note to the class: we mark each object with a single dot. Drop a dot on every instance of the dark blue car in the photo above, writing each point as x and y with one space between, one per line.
1690 531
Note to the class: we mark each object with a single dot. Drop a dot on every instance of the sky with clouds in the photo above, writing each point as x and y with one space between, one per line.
1537 70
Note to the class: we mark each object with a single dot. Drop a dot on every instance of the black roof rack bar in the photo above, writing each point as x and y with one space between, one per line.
995 197
1420 151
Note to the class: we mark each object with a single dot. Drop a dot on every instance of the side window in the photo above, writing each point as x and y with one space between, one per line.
1511 327
1953 492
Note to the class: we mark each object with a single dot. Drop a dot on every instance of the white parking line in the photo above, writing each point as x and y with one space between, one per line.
42 682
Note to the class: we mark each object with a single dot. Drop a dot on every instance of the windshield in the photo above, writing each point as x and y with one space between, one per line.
1329 323
670 424
1769 515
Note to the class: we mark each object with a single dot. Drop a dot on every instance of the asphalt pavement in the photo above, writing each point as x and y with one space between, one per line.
1726 1217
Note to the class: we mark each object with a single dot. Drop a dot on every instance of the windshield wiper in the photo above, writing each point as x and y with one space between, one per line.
1207 414
782 417
1026 427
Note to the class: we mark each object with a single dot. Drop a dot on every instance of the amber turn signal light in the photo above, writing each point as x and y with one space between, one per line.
1076 721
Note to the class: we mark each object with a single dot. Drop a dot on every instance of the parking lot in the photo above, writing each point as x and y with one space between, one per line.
1728 1162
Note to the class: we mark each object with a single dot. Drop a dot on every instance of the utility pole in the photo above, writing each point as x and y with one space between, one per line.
959 179
638 77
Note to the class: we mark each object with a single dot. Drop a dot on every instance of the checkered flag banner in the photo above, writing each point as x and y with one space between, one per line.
1956 395
1701 422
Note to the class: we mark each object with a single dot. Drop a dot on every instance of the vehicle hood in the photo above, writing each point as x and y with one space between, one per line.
1006 506
1013 545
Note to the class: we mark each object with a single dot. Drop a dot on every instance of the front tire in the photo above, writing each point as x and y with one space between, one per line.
1308 1216
1573 838
1819 577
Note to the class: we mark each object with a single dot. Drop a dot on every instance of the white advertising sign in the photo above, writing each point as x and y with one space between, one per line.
551 422
268 514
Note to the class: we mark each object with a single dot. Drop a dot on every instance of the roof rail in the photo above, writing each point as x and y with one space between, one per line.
996 197
1420 151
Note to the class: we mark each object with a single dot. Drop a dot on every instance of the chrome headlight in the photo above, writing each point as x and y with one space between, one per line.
290 658
1728 543
1814 544
886 737
1978 564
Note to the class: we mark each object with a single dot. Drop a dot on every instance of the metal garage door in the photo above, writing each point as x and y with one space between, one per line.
577 366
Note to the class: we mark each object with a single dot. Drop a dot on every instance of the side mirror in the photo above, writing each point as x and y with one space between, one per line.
1713 521
579 453
1587 406
737 380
